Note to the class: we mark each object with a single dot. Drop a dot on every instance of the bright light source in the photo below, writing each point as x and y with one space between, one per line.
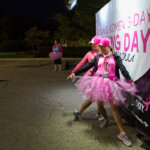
71 4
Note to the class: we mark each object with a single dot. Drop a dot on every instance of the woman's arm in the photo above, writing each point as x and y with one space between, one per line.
81 63
86 67
60 48
53 48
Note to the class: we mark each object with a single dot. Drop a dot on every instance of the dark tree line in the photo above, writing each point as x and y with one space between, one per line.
17 32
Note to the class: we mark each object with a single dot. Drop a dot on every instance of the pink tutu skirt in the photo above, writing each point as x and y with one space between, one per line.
104 90
55 56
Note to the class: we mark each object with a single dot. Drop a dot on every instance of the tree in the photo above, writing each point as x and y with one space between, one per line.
35 37
78 26
4 29
20 23
65 29
4 32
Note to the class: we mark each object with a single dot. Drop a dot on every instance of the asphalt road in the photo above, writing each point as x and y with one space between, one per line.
36 106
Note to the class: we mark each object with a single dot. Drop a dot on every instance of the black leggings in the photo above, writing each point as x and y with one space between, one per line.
57 61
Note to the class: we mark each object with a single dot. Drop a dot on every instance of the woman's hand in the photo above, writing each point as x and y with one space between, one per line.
132 83
71 76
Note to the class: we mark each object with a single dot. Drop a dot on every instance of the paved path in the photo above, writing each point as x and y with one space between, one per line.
36 107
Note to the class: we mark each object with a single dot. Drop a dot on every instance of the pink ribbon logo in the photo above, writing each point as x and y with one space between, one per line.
147 103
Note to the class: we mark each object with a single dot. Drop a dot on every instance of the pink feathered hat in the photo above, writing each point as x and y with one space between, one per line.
105 42
96 40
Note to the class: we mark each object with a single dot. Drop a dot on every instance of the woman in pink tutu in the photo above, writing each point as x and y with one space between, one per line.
56 55
105 86
96 49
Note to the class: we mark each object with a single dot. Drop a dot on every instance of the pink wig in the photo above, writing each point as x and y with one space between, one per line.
96 40
105 42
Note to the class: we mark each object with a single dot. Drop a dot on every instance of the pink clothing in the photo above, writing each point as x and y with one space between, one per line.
87 58
110 66
56 52
55 56
105 89
60 48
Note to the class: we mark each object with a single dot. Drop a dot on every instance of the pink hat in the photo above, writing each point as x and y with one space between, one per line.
105 42
96 40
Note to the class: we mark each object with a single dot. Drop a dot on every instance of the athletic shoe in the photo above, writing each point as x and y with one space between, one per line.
99 117
104 123
124 138
76 115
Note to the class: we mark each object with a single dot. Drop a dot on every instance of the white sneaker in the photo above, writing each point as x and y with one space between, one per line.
124 138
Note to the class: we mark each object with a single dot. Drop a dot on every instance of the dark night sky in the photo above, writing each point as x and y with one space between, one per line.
42 9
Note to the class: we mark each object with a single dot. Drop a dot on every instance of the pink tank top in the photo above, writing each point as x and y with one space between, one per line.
106 66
